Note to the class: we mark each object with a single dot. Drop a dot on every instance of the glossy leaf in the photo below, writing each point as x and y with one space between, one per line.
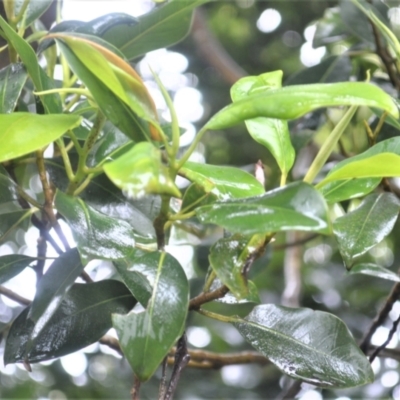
381 160
12 264
97 235
140 172
229 298
159 28
297 206
337 191
52 288
22 133
11 219
34 10
103 72
51 102
294 101
12 80
195 196
223 182
271 133
360 230
82 318
228 258
313 346
147 337
8 188
374 270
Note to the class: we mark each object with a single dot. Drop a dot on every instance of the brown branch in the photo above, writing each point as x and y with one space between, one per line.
291 392
386 353
14 296
211 50
381 317
295 242
206 297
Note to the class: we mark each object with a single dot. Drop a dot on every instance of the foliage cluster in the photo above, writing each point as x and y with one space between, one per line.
108 165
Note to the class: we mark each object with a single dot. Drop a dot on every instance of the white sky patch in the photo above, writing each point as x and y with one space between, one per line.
198 336
310 56
269 20
74 364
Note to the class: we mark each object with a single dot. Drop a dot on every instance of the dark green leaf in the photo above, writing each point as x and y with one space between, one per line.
83 317
292 102
11 219
147 337
360 230
228 258
271 133
34 10
12 265
297 206
330 28
141 172
51 102
8 188
313 346
331 70
12 80
22 133
195 196
162 27
223 182
97 235
375 270
52 288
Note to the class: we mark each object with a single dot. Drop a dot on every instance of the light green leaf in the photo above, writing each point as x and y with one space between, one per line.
294 101
140 172
12 80
363 228
252 296
147 337
313 346
223 182
374 270
22 133
97 235
271 133
381 160
297 206
160 28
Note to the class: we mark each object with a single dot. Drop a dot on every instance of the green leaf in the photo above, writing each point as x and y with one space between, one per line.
223 182
140 171
360 230
82 318
159 28
271 133
294 101
34 10
374 270
12 80
195 196
8 188
297 206
11 219
97 235
147 337
228 258
107 90
313 346
252 296
381 160
51 102
52 288
11 265
337 191
21 133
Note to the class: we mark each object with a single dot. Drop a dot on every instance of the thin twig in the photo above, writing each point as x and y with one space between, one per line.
14 296
291 392
206 297
380 317
387 341
136 388
295 243
163 381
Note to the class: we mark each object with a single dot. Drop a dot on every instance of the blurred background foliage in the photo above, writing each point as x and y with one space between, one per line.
311 41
